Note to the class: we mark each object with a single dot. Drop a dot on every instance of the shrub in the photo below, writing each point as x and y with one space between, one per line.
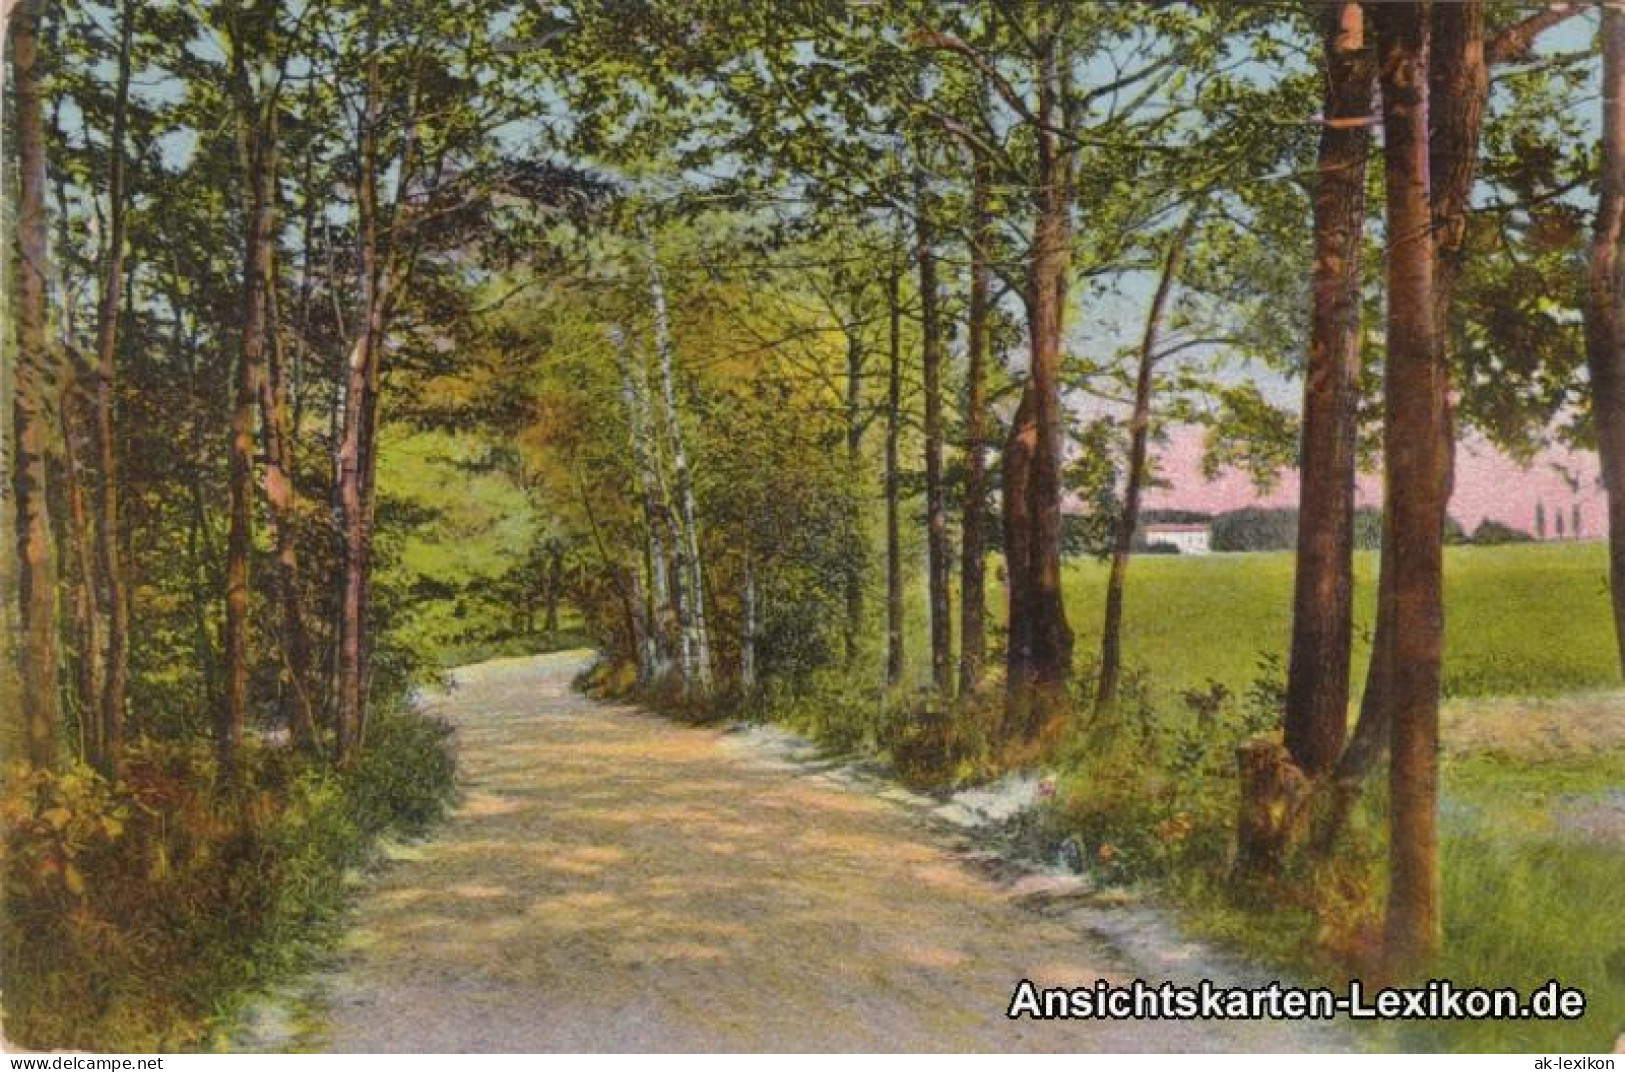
1152 792
933 743
407 774
137 912
1492 533
835 708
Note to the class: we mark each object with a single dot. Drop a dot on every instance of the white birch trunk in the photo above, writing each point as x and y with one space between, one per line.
657 603
747 631
696 638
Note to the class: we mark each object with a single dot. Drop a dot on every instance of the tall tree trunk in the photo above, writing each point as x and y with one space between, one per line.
36 566
747 629
1458 89
854 461
936 517
1459 85
555 583
77 415
282 498
1605 310
1017 464
1416 479
1040 665
894 534
232 716
1111 632
655 652
258 119
277 432
1323 594
256 153
688 535
358 415
79 531
973 526
111 755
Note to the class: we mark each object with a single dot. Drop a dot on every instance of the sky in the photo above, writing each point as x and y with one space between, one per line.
1488 485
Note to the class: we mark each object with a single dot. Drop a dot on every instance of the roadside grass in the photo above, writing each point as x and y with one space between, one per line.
1526 898
1531 893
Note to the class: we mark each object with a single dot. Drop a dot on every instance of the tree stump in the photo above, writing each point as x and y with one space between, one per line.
1274 793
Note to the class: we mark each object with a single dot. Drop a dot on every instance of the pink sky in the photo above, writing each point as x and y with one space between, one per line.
1488 485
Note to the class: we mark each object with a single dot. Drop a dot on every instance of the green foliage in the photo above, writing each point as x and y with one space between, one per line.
407 774
1255 528
933 744
831 706
1152 792
1092 478
1491 533
136 913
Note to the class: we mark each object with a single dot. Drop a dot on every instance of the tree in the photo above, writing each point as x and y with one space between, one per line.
691 610
112 281
1605 311
1322 604
36 573
256 123
893 476
1038 657
423 172
1459 81
936 511
1111 631
1416 482
659 613
978 347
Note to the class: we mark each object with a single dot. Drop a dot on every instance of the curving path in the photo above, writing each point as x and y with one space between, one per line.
615 881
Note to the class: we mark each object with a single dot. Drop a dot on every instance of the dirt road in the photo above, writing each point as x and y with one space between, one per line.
613 881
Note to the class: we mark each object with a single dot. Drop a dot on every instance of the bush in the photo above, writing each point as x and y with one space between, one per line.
137 912
407 774
1255 528
1154 792
833 707
1492 533
932 743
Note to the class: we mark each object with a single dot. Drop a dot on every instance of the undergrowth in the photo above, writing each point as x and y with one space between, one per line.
138 913
1151 799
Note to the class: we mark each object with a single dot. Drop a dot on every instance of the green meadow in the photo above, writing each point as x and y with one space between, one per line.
1534 758
1520 620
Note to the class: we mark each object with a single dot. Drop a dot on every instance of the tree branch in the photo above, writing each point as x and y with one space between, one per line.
1514 43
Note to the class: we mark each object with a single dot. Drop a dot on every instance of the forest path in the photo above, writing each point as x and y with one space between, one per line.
615 881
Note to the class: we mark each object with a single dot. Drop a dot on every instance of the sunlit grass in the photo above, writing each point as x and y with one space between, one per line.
1529 897
1520 620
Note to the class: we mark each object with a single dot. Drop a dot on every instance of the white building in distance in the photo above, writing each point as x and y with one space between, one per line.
1188 539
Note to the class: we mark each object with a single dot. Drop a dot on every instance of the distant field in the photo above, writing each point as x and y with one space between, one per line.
1519 620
